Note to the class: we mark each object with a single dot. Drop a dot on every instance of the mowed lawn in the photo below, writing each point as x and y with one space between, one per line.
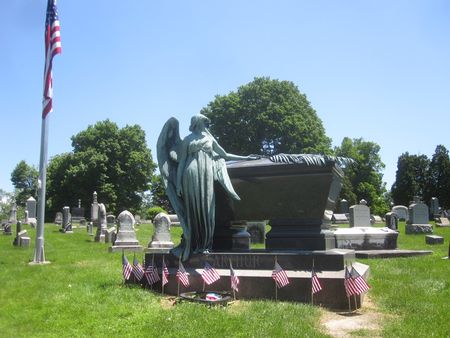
81 293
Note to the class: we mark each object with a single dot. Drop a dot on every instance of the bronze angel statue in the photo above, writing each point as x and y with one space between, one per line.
189 168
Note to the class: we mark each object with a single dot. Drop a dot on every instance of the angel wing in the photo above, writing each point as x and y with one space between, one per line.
167 149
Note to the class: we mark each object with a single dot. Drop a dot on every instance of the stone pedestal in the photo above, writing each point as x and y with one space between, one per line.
254 270
367 238
433 239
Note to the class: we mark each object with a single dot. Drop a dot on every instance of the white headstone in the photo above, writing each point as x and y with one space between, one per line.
359 216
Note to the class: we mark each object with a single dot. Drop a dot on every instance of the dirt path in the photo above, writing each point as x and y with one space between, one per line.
365 322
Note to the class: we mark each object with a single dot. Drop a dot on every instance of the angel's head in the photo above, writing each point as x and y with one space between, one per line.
199 121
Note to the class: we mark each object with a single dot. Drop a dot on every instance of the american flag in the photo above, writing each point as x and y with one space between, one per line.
359 282
52 48
280 276
209 274
316 286
151 274
234 279
126 268
165 273
349 284
137 269
182 275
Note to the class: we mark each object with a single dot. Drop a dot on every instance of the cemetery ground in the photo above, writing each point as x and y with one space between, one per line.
81 293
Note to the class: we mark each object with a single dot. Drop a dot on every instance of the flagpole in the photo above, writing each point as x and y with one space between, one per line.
234 292
276 287
312 293
39 254
179 261
348 297
162 277
153 265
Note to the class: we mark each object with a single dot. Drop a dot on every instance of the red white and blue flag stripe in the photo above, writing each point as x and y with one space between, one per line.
280 276
209 274
234 279
165 273
315 283
127 269
52 48
182 275
138 271
151 274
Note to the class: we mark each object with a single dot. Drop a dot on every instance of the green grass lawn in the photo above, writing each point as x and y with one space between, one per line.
81 293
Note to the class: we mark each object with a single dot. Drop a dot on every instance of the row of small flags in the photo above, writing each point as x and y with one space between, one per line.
353 282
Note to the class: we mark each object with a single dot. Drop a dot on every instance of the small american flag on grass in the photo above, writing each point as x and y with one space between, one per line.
165 273
209 274
316 286
360 284
234 279
280 276
126 268
138 271
182 275
151 274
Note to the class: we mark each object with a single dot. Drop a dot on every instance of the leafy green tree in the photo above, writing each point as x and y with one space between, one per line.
24 177
114 162
267 117
159 197
438 184
410 179
364 179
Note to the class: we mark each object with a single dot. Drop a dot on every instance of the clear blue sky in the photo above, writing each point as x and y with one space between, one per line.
373 69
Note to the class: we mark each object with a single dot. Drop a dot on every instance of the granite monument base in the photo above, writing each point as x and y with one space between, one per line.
418 229
366 238
254 270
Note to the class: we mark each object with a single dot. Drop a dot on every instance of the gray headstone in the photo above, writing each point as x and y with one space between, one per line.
77 214
126 236
59 218
161 237
375 219
174 221
391 220
418 213
110 235
94 208
339 219
31 207
101 224
13 213
343 207
359 216
434 207
418 219
442 222
111 220
401 211
67 221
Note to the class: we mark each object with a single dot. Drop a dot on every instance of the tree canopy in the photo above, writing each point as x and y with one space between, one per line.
410 179
363 179
439 177
267 117
24 178
114 162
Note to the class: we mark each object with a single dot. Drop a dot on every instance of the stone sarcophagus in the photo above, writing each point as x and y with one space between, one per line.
293 196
